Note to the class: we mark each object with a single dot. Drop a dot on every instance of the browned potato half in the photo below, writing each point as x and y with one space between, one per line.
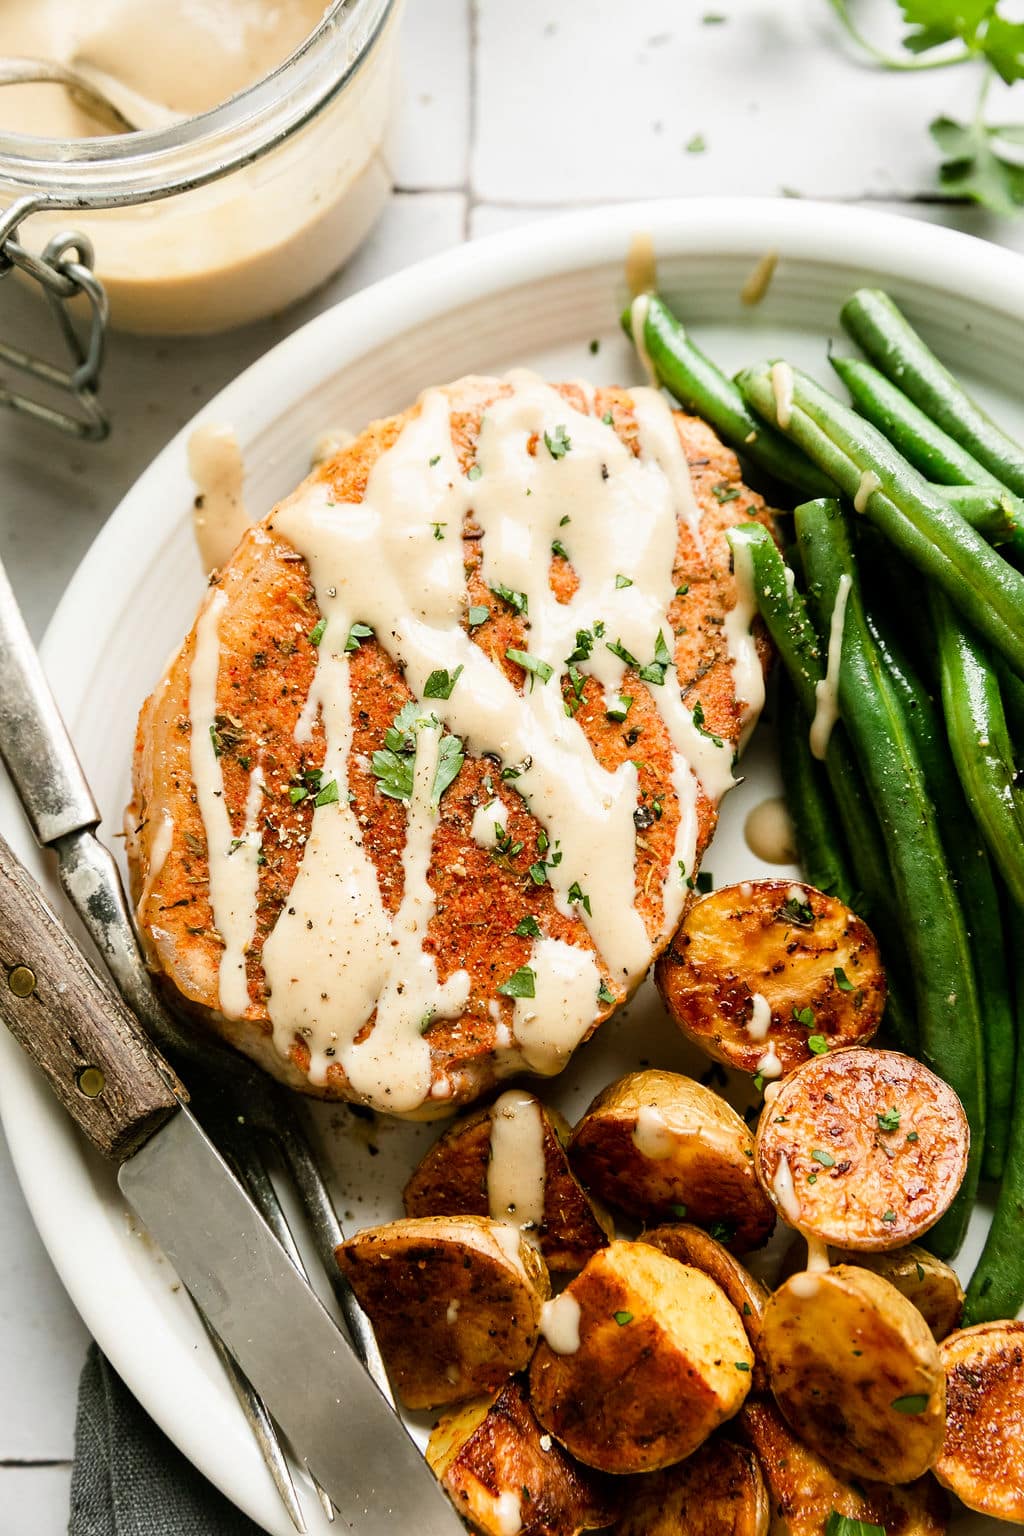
930 1284
509 1161
503 1472
856 1373
803 1491
455 1302
642 1359
759 968
982 1460
659 1145
718 1491
690 1245
863 1149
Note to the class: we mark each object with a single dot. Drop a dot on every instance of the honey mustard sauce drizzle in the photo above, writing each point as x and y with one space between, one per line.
394 562
516 1172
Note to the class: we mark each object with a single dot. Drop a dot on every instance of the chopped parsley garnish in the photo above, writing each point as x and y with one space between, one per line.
913 1136
435 460
558 442
679 1211
920 1271
575 894
682 591
605 993
889 1120
741 1365
608 419
622 1318
655 670
558 548
698 720
817 1044
393 772
439 684
697 145
439 530
504 846
539 873
623 581
595 346
843 981
914 1402
705 882
527 927
804 1016
795 911
845 1525
812 1178
474 472
516 600
532 664
393 765
619 650
356 635
583 648
478 615
328 795
563 520
824 1158
450 758
889 1217
520 984
723 493
619 708
215 741
515 769
316 634
722 1231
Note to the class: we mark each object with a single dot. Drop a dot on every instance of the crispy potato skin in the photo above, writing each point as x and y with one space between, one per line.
869 1188
705 1161
643 1391
982 1460
931 1285
718 1491
267 667
484 1451
698 1249
742 940
842 1348
803 1490
451 1180
455 1303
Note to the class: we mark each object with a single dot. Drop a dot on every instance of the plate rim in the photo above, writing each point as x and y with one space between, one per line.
830 234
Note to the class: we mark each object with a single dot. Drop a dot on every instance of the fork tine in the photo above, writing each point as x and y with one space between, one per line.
262 1426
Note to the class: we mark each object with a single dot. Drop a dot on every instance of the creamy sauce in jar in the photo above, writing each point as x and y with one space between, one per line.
335 957
250 242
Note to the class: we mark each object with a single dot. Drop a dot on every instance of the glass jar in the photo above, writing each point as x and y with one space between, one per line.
228 216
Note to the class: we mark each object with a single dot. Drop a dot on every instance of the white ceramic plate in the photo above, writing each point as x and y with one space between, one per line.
535 296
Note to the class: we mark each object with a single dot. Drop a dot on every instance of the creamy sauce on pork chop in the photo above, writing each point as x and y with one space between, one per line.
544 472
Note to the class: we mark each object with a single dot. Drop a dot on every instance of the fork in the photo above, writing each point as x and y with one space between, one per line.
239 1107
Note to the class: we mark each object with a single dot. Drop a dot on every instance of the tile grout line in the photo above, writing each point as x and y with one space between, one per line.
28 1464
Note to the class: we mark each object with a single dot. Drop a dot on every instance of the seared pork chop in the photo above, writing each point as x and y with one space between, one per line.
397 881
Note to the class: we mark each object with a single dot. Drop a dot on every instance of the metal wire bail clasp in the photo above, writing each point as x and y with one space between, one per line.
63 271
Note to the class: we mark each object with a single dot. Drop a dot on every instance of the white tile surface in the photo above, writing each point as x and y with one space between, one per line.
509 112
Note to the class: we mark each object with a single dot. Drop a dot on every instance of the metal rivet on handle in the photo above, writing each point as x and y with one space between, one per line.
22 981
91 1082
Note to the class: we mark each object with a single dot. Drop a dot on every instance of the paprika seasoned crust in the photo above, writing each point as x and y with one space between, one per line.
267 661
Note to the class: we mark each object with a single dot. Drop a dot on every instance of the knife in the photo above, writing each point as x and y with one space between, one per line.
130 1104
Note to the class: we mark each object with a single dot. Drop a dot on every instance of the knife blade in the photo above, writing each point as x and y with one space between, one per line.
129 1103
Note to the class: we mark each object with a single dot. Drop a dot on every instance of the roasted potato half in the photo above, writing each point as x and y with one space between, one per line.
856 1372
982 1459
503 1472
455 1302
930 1284
803 1491
690 1245
508 1161
658 1145
863 1149
718 1491
758 969
654 1360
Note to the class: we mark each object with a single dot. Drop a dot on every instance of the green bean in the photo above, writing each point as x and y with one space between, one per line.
892 344
700 386
930 534
996 1289
979 895
980 743
796 640
819 837
948 1015
938 456
1012 689
994 513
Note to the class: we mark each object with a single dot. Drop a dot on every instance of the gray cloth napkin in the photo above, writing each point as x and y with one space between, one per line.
128 1479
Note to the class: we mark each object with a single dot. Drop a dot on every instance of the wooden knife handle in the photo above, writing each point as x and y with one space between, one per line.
101 1066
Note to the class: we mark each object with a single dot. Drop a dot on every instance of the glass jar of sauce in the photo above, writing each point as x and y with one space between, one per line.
251 178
